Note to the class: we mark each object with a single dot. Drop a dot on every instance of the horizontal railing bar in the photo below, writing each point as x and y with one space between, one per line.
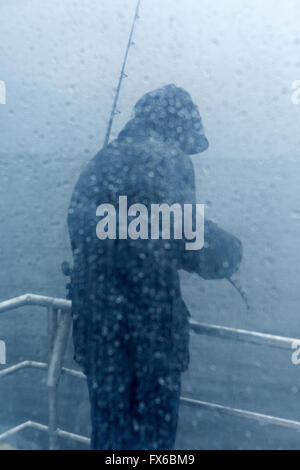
74 437
73 373
42 427
199 328
225 410
32 299
14 430
287 423
246 336
23 365
39 365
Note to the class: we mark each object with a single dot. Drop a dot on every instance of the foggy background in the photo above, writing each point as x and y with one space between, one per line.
238 59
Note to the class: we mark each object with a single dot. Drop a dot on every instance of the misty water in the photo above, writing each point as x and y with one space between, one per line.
238 60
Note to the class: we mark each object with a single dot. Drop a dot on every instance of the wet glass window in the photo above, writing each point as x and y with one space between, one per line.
149 211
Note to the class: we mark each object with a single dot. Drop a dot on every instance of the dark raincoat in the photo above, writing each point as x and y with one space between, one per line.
130 323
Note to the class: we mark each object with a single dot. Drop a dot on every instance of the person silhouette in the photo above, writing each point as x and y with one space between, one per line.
130 323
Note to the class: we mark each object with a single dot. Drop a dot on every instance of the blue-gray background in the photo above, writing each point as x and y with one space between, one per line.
238 59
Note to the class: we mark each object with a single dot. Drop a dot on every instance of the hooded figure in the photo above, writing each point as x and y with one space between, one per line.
130 324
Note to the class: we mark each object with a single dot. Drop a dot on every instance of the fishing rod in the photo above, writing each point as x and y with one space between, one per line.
65 266
123 75
240 291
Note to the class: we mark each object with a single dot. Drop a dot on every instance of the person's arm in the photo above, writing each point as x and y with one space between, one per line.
222 252
219 258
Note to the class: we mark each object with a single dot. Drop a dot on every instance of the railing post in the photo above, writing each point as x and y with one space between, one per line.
54 372
52 417
52 316
52 319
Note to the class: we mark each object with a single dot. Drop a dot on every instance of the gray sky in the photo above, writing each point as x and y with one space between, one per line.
61 61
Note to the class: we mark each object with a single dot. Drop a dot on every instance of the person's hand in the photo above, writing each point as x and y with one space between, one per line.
222 253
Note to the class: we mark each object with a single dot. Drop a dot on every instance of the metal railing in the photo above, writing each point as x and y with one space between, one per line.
59 327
